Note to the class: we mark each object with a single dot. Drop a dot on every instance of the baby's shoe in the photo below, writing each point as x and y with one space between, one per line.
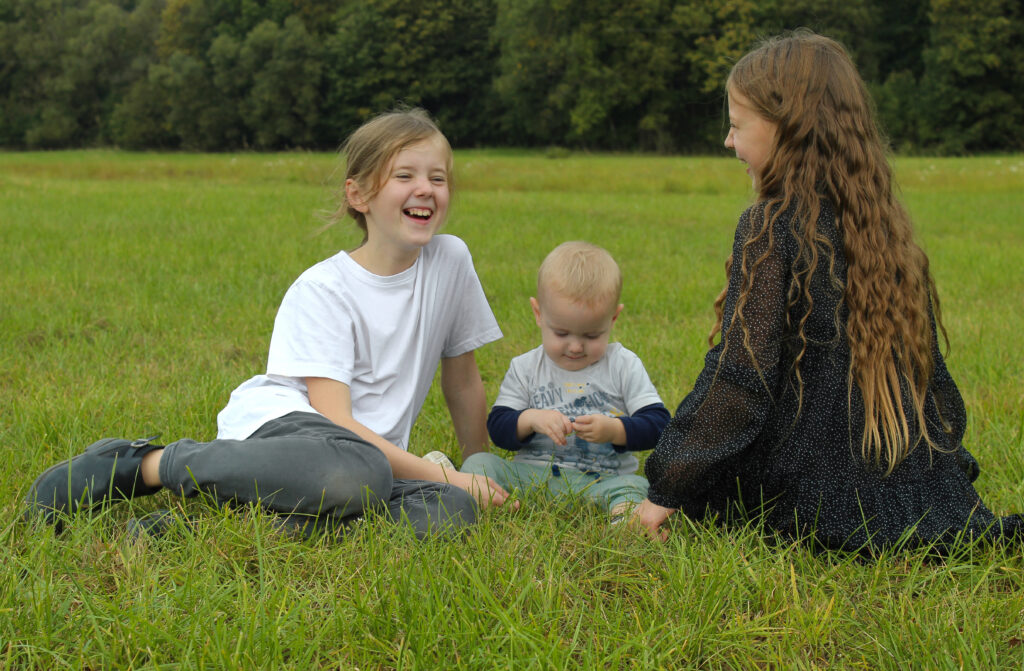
441 459
621 513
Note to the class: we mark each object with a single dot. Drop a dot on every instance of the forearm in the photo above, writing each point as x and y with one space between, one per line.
524 425
403 464
616 432
407 466
332 400
644 428
468 410
501 427
467 402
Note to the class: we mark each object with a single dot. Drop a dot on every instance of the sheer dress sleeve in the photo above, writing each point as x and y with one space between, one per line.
734 394
947 417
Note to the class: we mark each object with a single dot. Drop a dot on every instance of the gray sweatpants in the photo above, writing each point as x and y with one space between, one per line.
316 474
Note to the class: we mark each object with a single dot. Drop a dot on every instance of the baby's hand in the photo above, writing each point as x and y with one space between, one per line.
599 429
551 423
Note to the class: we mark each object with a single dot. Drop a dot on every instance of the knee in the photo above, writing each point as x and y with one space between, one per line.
437 509
456 509
359 478
633 488
482 463
636 482
625 489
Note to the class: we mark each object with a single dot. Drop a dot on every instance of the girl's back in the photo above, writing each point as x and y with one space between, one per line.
805 458
828 399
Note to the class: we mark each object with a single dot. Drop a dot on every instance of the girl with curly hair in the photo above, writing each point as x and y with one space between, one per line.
826 405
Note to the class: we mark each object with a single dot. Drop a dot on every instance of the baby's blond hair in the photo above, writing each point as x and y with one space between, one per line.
583 273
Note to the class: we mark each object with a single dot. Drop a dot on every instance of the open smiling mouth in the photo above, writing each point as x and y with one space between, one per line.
421 213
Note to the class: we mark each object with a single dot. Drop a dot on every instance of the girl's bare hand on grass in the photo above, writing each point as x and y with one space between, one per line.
650 517
486 491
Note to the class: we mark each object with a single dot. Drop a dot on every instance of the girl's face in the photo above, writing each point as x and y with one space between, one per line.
751 136
412 203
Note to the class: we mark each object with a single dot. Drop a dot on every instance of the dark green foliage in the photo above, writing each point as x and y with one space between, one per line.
966 93
281 67
851 22
974 76
66 65
633 74
594 74
899 37
436 54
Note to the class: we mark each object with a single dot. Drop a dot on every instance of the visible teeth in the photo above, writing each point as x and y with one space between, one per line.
419 211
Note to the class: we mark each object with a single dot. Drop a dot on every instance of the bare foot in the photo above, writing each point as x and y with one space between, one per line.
621 512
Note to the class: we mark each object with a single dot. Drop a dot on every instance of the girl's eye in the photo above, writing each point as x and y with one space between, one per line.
438 180
402 175
593 336
561 334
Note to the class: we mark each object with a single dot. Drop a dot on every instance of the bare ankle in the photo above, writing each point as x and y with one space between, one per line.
150 468
621 511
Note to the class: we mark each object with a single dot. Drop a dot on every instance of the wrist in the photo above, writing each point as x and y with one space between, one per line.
618 432
524 426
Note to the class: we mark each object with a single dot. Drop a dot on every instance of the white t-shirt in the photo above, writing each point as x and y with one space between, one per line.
616 385
383 336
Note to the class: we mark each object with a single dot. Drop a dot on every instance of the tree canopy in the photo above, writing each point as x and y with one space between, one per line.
947 75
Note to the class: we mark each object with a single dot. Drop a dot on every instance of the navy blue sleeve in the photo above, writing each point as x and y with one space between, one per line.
501 426
643 428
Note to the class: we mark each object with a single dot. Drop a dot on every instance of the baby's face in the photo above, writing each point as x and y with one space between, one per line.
574 335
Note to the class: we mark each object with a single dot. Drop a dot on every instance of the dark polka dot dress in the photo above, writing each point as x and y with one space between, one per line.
742 441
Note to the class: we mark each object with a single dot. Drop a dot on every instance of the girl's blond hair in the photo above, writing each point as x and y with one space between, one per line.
827 145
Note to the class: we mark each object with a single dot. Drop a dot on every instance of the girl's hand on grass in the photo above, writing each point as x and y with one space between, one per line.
649 517
486 491
551 423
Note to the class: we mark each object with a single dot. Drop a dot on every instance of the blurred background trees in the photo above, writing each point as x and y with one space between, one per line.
212 75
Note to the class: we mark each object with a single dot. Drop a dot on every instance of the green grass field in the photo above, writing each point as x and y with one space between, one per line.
139 289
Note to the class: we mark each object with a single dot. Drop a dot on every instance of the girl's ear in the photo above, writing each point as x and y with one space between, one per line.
354 198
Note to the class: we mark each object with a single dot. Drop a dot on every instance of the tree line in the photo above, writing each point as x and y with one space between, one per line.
213 75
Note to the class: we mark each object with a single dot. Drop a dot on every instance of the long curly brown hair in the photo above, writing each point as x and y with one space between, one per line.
828 146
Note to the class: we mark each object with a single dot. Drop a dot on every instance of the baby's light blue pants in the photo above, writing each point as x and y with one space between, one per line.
607 491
